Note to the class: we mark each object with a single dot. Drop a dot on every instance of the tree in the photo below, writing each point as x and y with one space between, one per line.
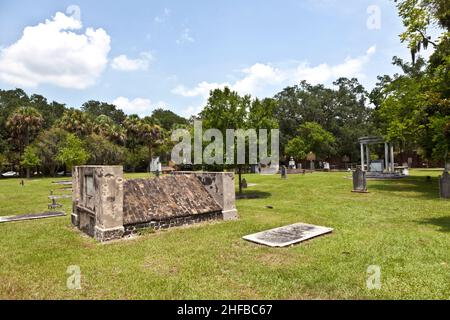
97 108
50 112
343 111
72 152
30 159
317 139
23 125
414 107
3 161
152 136
47 145
226 109
417 16
103 151
132 128
77 122
297 148
167 119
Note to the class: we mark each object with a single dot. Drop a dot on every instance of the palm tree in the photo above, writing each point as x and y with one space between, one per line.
23 126
102 125
77 122
151 135
105 127
132 127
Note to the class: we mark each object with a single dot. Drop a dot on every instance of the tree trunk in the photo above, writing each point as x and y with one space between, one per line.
28 173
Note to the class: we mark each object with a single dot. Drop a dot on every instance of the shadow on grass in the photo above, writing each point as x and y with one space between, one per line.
253 194
423 187
442 222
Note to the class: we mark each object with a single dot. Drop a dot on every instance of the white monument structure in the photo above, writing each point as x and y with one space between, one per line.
378 168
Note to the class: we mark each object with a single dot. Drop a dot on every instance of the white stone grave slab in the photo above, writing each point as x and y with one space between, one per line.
31 216
288 235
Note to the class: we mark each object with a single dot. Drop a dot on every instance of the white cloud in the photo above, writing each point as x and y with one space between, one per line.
51 53
351 67
262 80
258 77
123 63
185 36
202 89
140 106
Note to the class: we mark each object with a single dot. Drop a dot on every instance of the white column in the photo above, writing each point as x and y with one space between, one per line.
368 157
392 158
362 157
386 157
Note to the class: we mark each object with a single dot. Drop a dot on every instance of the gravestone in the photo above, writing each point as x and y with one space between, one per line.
292 163
359 181
311 157
287 235
283 172
155 166
444 185
31 216
244 184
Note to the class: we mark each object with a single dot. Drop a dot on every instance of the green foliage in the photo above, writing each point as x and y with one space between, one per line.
3 161
225 109
342 111
23 125
413 108
297 148
103 151
418 16
77 122
47 145
317 140
72 152
95 109
30 158
167 119
137 159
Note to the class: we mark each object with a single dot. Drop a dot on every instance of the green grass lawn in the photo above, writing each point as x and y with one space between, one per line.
401 226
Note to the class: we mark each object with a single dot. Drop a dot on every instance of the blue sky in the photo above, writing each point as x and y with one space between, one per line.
142 55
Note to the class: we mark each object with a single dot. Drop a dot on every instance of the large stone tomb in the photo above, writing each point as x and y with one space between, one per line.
106 206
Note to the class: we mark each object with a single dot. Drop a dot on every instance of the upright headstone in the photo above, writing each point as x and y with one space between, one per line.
292 163
359 181
444 185
244 184
311 157
283 172
155 166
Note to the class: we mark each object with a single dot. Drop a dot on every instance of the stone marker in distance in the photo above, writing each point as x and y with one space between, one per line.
287 235
444 185
31 216
359 181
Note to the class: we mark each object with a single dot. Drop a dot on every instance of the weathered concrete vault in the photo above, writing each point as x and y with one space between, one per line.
105 206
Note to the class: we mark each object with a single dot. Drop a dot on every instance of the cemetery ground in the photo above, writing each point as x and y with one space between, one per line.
401 226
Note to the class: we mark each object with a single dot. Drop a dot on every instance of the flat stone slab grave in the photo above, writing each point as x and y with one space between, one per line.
31 216
288 235
63 182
